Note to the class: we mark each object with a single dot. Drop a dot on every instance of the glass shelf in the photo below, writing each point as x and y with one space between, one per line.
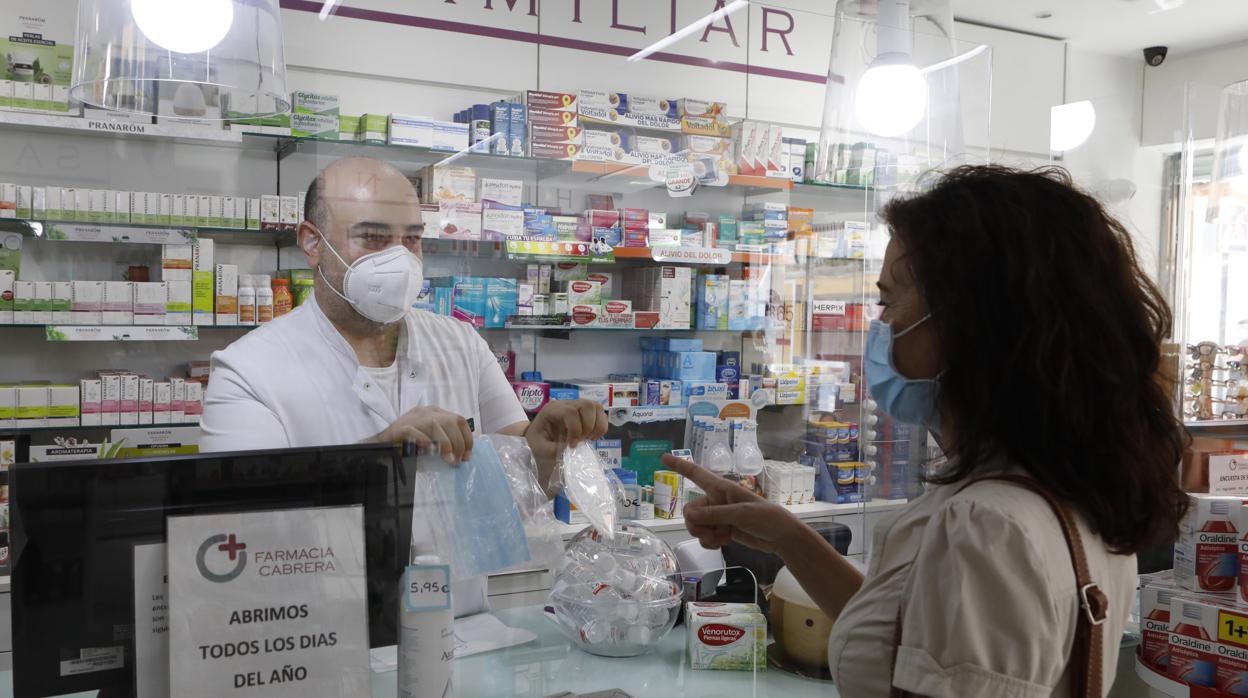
28 430
141 233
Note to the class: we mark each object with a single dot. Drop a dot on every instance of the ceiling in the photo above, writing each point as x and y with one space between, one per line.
1120 27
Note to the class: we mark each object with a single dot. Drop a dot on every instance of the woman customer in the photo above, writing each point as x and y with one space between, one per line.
1016 325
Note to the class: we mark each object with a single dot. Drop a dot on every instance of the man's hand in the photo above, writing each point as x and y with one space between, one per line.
729 512
431 429
560 424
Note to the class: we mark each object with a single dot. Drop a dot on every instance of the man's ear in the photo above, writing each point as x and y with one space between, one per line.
310 242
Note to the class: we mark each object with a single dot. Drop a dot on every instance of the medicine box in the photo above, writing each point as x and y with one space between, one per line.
63 406
288 213
162 398
270 212
226 294
41 312
1206 555
128 403
145 400
177 404
193 402
726 638
31 406
89 405
252 214
202 286
7 279
62 303
313 103
87 302
110 398
178 307
584 292
8 406
150 299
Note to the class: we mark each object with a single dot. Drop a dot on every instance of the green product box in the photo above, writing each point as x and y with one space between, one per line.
24 205
6 93
316 126
374 128
727 229
643 459
312 103
204 219
348 127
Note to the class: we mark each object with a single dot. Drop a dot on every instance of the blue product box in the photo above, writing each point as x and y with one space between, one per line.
500 128
442 298
730 358
563 508
683 344
564 394
712 302
705 389
664 393
612 236
469 301
518 127
727 374
610 452
502 299
692 365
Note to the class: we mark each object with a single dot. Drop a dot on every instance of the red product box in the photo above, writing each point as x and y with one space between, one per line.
640 216
554 151
555 134
645 319
553 118
555 101
602 219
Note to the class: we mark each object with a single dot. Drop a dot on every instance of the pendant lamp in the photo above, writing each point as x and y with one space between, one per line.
182 59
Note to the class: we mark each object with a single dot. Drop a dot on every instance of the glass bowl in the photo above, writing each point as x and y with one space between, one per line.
616 598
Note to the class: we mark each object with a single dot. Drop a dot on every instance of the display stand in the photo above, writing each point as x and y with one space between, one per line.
1160 682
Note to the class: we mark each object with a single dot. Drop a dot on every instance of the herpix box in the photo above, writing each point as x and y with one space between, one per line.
288 213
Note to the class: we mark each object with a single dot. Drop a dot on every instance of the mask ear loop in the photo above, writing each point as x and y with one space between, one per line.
328 283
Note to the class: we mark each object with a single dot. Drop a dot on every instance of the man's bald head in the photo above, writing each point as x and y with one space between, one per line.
355 207
354 178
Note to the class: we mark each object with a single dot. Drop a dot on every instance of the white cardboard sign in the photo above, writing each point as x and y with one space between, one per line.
268 603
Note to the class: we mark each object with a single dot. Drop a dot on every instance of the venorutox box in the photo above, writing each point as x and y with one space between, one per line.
730 637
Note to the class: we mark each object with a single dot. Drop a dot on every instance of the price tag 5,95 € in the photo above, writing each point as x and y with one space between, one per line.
427 588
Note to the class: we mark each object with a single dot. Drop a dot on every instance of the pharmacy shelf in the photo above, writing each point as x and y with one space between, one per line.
1218 427
11 430
1170 687
121 333
802 511
141 234
590 167
113 129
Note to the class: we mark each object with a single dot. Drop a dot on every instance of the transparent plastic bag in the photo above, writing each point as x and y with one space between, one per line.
468 515
540 525
587 486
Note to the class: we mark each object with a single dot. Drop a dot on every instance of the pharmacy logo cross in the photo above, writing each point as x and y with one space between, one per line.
230 545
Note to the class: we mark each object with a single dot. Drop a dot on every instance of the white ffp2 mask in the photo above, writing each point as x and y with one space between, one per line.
381 286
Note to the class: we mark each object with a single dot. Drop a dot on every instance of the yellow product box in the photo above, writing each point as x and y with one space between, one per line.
62 406
32 405
202 285
8 405
668 488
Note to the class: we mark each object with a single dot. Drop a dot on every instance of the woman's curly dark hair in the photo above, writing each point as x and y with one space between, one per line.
1050 334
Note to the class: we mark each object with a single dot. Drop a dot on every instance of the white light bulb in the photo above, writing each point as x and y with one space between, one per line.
891 99
184 26
1070 125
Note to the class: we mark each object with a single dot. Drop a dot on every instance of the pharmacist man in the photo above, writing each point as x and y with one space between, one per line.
356 363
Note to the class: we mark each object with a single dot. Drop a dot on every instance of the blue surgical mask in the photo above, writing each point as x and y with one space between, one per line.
909 400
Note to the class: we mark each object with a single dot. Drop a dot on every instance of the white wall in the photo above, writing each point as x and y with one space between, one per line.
1165 97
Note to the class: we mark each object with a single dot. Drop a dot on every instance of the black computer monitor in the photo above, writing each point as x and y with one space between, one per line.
75 525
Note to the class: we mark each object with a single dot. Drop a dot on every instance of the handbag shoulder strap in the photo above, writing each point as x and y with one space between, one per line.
1086 653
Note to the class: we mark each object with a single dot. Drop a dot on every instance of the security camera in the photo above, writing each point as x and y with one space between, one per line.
1155 55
